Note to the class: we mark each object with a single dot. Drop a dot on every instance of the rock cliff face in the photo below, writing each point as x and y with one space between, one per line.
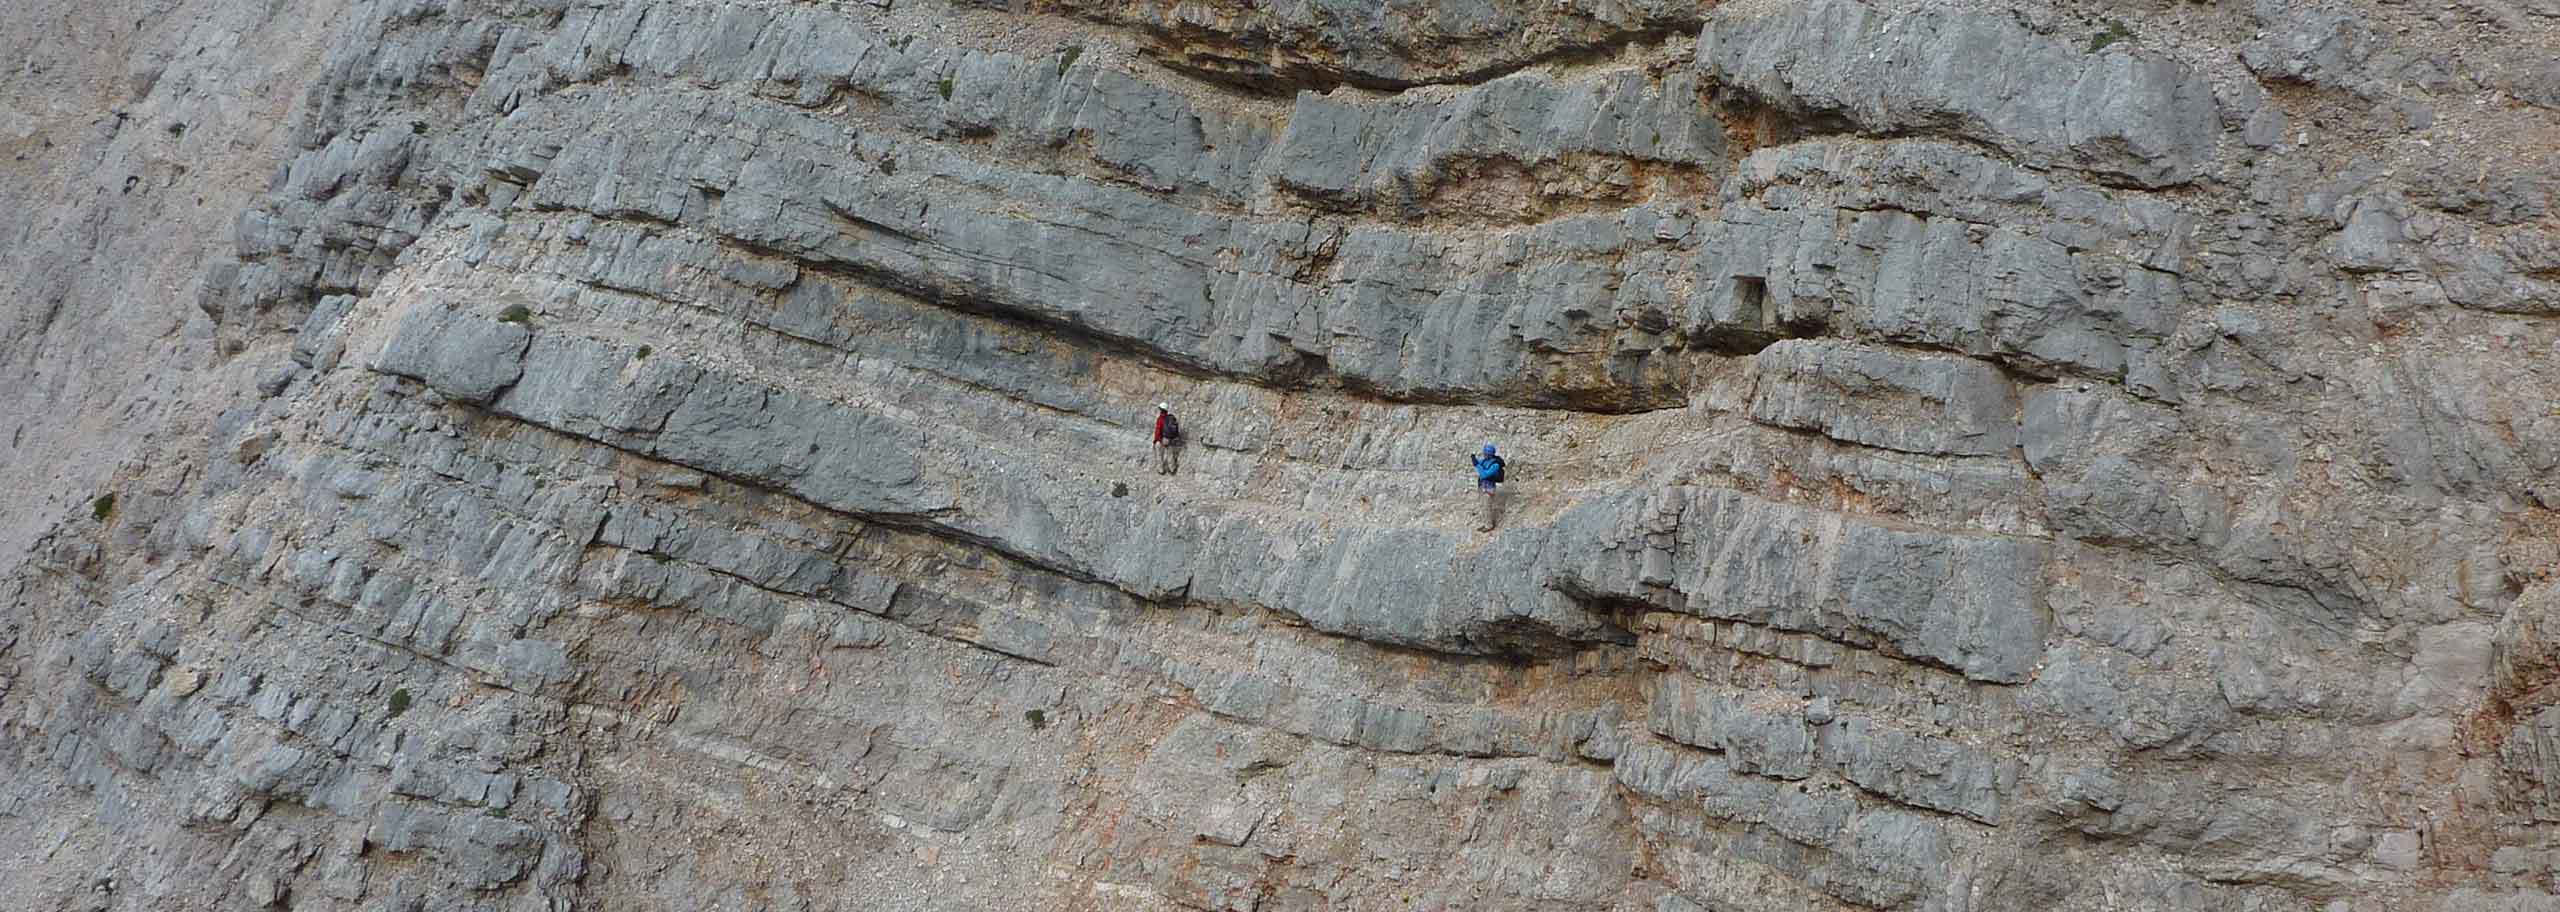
689 454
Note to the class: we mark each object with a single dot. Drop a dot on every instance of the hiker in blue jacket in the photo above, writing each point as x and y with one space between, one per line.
1488 475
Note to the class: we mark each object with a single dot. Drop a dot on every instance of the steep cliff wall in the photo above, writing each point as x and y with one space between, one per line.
546 454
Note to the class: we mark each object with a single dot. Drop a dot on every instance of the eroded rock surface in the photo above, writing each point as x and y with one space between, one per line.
547 454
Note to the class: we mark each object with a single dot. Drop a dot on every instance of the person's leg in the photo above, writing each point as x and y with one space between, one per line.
1164 460
1173 459
1484 520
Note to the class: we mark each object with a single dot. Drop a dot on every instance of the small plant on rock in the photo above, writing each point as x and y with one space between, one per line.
517 314
1039 720
2114 32
642 354
945 87
1068 59
103 507
399 702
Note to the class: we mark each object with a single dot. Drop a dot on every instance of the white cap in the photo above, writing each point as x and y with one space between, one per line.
1161 407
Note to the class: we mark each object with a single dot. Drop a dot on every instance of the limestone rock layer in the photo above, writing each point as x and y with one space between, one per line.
691 454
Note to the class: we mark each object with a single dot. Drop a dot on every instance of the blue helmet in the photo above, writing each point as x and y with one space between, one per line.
1488 449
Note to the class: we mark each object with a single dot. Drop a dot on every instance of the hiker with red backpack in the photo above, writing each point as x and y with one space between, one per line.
1168 440
1488 474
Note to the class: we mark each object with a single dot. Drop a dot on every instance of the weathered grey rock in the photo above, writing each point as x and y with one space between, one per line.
469 357
1919 771
1973 458
1946 257
1968 603
1363 319
2311 45
1333 41
1759 741
1402 157
1875 857
485 852
1882 397
2120 112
